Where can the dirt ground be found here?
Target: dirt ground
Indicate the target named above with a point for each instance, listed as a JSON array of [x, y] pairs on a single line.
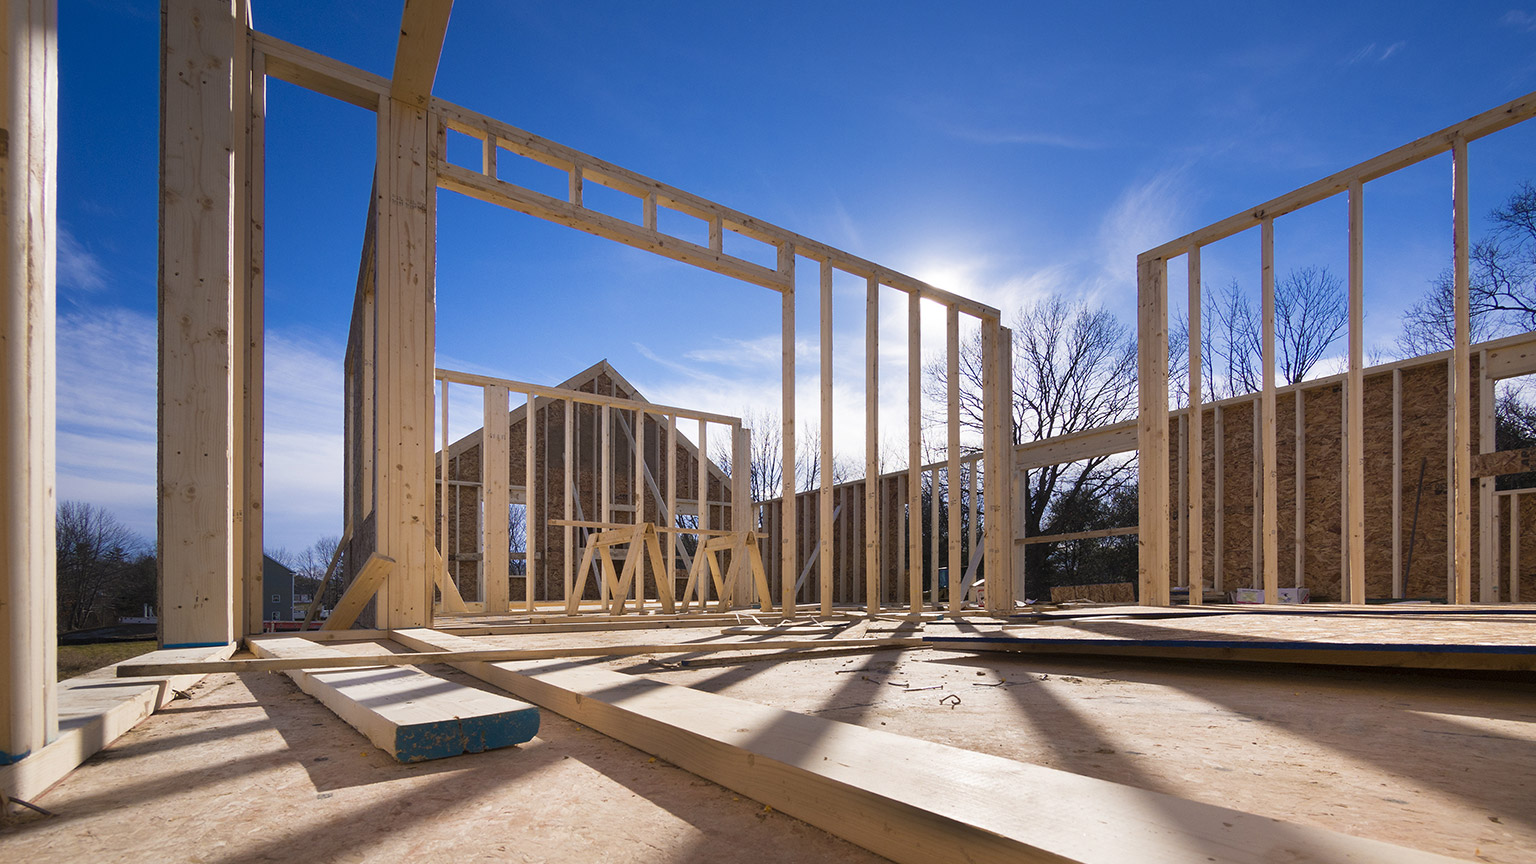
[[250, 769]]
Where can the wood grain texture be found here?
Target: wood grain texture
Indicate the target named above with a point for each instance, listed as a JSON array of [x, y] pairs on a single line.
[[405, 712], [907, 799]]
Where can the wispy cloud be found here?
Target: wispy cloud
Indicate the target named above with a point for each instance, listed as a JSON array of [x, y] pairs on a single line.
[[1143, 215], [78, 268], [1020, 137], [1520, 20], [1374, 53]]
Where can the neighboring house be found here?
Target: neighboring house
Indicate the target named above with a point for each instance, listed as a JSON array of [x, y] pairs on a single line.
[[276, 590]]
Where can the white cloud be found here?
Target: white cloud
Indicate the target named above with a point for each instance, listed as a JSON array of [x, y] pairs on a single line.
[[1520, 20], [77, 268]]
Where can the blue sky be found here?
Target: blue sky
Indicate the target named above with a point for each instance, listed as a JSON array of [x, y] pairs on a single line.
[[1001, 150]]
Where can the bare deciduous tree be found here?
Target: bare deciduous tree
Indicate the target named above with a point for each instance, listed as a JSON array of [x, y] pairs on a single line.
[[1074, 368], [1501, 285], [1310, 316], [766, 457], [100, 563]]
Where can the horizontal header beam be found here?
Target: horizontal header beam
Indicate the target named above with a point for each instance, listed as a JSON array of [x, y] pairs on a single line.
[[339, 80]]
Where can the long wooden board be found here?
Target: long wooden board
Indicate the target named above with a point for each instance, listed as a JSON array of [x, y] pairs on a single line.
[[405, 712], [280, 655], [910, 800]]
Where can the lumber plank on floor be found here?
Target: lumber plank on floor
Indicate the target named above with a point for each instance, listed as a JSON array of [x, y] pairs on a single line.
[[907, 799], [405, 712]]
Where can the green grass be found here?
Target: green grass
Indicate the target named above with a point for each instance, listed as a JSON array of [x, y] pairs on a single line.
[[75, 660]]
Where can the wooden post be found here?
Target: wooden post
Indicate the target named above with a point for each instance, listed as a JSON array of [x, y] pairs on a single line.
[[1450, 480], [672, 506], [605, 488], [531, 514], [1354, 441], [1487, 514], [28, 178], [495, 476], [1270, 541], [824, 542], [1256, 565], [569, 494], [250, 323], [1195, 455], [952, 472], [790, 562], [1397, 484], [914, 454], [1300, 538], [1514, 548], [1461, 425], [1181, 512], [997, 383], [637, 498], [702, 494], [1219, 506], [872, 514], [1152, 430], [442, 490], [405, 216], [741, 512], [200, 290]]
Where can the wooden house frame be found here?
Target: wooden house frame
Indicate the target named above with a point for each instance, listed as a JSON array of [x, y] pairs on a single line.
[[881, 790], [1153, 435], [602, 474], [208, 546]]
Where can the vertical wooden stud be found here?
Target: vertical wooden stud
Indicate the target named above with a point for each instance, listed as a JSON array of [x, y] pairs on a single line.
[[914, 453], [701, 492], [1488, 541], [788, 539], [1461, 375], [198, 293], [952, 448], [495, 477], [1354, 442], [568, 494], [1397, 484], [28, 178], [1300, 539], [872, 515], [532, 517], [1152, 430], [1271, 501], [1194, 455], [824, 542], [1219, 505]]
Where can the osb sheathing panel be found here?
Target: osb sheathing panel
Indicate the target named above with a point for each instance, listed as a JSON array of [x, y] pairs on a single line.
[[1424, 412], [1527, 564]]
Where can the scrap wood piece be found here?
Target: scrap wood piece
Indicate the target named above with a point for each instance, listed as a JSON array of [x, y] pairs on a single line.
[[270, 661], [356, 597], [908, 799], [405, 712]]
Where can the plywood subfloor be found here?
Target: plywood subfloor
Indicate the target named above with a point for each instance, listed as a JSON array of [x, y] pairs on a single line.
[[250, 769], [1435, 761]]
